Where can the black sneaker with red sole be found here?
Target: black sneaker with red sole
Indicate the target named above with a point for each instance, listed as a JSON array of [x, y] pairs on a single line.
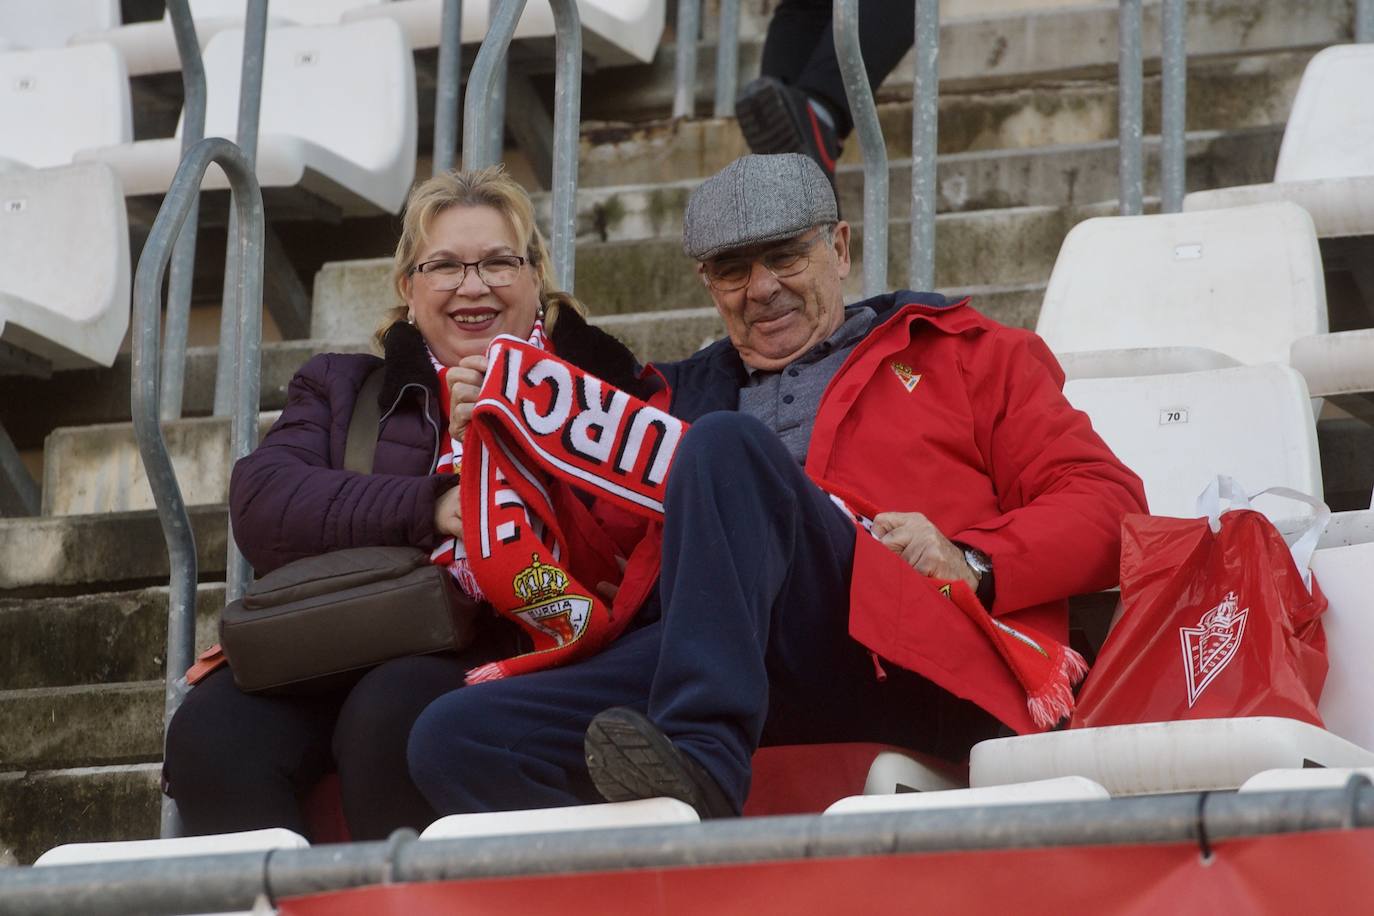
[[776, 118]]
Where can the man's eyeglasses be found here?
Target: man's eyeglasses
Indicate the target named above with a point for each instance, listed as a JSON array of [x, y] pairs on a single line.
[[790, 259], [443, 274]]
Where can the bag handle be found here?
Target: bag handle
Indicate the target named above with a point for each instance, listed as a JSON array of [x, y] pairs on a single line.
[[1226, 488], [361, 445]]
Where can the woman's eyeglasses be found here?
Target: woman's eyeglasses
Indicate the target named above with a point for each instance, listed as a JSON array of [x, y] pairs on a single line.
[[442, 274]]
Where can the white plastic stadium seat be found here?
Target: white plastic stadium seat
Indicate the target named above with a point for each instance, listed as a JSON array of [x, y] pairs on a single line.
[[338, 117], [1064, 788], [150, 47], [1228, 753], [64, 264], [56, 101], [1326, 161], [893, 772], [642, 813], [614, 32], [1307, 778], [247, 841], [49, 24], [1243, 283], [1179, 431]]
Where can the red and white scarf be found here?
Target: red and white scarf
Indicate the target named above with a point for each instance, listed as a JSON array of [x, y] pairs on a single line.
[[539, 418]]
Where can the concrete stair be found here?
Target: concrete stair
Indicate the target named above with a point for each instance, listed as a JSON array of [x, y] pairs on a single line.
[[1027, 128]]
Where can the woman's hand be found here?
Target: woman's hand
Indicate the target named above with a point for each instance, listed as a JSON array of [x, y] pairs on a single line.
[[464, 382], [448, 514], [916, 539]]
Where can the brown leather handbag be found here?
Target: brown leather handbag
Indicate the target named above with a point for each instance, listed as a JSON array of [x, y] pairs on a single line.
[[306, 626]]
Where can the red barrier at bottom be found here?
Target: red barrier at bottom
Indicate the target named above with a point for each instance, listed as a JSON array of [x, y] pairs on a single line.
[[1286, 873]]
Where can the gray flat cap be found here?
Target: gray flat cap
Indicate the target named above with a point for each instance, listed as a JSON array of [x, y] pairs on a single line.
[[756, 199]]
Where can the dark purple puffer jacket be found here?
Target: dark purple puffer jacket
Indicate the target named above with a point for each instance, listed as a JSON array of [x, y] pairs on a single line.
[[291, 497]]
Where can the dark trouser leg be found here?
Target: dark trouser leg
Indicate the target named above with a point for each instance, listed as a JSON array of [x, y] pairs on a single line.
[[517, 742], [886, 33], [755, 591], [795, 30], [237, 761], [370, 742]]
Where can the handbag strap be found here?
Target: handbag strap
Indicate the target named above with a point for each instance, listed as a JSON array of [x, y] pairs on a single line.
[[361, 444], [1224, 488]]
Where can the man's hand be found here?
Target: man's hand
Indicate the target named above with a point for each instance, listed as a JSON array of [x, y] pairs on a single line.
[[912, 536], [448, 514], [464, 382]]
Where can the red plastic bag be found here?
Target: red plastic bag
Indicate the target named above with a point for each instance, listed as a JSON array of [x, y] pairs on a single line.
[[1221, 620]]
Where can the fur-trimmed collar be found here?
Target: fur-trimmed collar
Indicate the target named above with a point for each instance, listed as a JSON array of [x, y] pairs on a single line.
[[584, 345]]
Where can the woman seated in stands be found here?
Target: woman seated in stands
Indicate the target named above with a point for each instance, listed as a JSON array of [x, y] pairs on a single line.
[[470, 265]]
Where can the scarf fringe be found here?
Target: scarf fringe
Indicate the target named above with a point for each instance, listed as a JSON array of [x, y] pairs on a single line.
[[1053, 701], [491, 671]]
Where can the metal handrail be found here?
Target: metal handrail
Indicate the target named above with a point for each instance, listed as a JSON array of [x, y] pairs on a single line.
[[235, 881], [924, 144], [865, 113], [685, 60], [1173, 93], [1364, 21], [184, 255], [244, 291], [246, 133], [567, 103], [446, 87], [727, 59], [1130, 109]]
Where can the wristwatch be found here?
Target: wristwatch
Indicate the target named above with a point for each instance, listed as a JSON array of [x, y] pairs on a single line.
[[981, 564]]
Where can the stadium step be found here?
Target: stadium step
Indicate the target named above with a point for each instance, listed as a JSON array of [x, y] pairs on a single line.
[[45, 728], [1223, 94], [980, 47], [40, 809]]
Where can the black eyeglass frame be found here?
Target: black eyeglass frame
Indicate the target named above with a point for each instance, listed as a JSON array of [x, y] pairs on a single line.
[[801, 260], [520, 260]]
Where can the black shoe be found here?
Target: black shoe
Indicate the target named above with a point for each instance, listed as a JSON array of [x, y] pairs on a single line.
[[629, 758], [775, 118]]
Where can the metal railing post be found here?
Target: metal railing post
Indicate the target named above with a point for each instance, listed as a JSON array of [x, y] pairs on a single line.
[[496, 100], [1364, 20], [865, 113], [727, 59], [924, 144], [184, 255], [685, 61], [1130, 108], [567, 105], [250, 103], [245, 289], [1174, 64], [446, 90]]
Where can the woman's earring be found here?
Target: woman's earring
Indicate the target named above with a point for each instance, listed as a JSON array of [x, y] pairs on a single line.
[[410, 319]]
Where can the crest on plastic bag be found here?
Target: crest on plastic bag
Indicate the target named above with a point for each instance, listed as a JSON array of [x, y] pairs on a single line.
[[1209, 647]]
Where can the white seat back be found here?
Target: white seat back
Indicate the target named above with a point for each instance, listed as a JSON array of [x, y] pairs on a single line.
[[302, 12], [1245, 282], [56, 101], [349, 89], [1346, 576], [1178, 432], [49, 24], [1330, 131], [247, 841], [64, 263], [640, 813]]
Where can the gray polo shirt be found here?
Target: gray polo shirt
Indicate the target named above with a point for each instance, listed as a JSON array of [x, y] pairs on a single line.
[[786, 402]]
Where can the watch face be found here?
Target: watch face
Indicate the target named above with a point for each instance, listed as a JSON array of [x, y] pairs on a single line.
[[978, 561]]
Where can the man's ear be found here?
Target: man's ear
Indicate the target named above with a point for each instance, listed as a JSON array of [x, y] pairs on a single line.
[[841, 247]]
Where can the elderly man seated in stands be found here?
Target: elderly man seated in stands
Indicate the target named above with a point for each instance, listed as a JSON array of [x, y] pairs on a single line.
[[852, 479]]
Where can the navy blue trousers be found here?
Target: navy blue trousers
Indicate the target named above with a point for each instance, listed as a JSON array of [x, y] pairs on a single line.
[[750, 646]]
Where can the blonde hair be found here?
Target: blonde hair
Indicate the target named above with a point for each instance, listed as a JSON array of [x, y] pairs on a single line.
[[488, 187]]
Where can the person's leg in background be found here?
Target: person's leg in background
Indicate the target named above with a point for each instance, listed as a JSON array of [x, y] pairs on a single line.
[[238, 761], [798, 103]]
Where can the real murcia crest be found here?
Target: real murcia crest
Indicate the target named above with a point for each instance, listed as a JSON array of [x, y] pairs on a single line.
[[909, 377], [546, 606], [1211, 645]]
